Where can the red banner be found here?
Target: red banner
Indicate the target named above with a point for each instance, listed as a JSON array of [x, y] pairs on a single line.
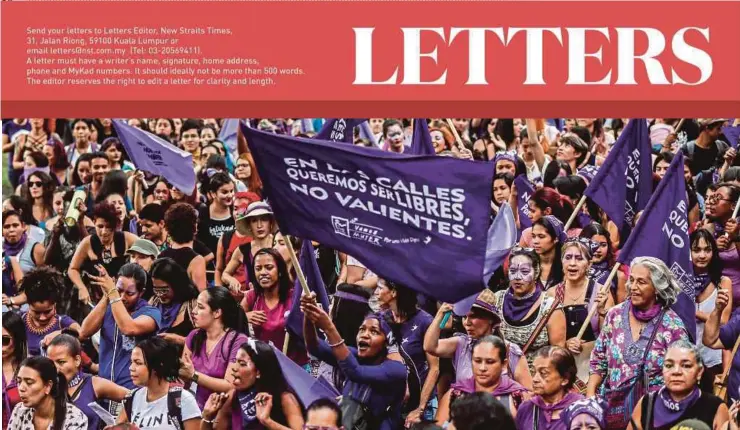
[[344, 59]]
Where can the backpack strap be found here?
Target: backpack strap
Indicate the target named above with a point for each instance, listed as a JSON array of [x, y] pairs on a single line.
[[119, 243], [128, 402], [174, 407]]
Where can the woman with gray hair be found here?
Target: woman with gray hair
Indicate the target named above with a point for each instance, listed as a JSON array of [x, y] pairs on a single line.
[[627, 359]]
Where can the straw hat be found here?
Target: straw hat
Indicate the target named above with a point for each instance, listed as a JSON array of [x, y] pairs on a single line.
[[254, 209]]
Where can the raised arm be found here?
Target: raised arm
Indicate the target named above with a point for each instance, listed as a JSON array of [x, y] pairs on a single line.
[[444, 348], [79, 257], [711, 327]]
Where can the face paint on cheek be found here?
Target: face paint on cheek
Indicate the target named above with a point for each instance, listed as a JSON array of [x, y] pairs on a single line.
[[122, 290], [522, 272]]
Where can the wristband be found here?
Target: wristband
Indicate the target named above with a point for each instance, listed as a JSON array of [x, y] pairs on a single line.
[[341, 342], [195, 377], [10, 300], [117, 299], [207, 421]]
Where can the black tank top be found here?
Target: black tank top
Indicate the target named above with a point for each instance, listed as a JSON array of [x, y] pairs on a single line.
[[182, 256], [575, 315], [703, 410]]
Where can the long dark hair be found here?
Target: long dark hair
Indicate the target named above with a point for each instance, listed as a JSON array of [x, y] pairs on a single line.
[[284, 284], [47, 186], [84, 158], [17, 330], [232, 316], [161, 357], [347, 316], [167, 270], [595, 229], [406, 299], [556, 271], [48, 373], [715, 266], [271, 378]]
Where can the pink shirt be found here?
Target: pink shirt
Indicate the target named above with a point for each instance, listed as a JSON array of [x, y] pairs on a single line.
[[273, 330]]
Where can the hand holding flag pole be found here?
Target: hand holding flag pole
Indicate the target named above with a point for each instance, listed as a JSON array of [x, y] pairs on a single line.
[[301, 279], [595, 307]]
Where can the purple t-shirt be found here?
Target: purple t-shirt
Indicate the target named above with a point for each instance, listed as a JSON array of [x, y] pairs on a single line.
[[412, 341], [215, 364], [34, 339], [728, 335]]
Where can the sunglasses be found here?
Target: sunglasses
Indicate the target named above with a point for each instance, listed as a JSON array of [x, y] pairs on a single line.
[[32, 184], [7, 340]]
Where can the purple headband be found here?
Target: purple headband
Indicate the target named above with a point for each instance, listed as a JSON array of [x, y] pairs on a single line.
[[384, 327], [349, 296], [589, 407], [556, 225], [509, 155]]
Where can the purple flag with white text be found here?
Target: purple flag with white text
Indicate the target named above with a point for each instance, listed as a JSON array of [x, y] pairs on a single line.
[[307, 260], [624, 183], [422, 222], [663, 232], [524, 190], [339, 129], [154, 155], [421, 140]]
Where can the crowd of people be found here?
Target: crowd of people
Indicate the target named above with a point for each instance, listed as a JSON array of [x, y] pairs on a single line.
[[130, 303]]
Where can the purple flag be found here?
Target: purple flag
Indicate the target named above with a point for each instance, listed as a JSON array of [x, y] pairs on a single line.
[[228, 135], [307, 260], [732, 133], [663, 232], [417, 221], [524, 191], [156, 156], [421, 140], [307, 388], [339, 130], [624, 183], [366, 133]]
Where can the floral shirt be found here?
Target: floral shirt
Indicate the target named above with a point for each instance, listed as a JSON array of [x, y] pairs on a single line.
[[22, 419], [616, 357]]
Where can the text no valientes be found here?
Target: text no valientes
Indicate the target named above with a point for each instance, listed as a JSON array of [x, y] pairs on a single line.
[[659, 71]]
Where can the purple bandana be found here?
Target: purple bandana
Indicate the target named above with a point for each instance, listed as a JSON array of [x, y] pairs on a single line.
[[384, 326], [588, 172], [516, 308], [648, 315], [509, 156], [169, 315], [548, 410], [668, 411], [701, 282], [557, 225], [505, 386], [589, 407], [13, 249]]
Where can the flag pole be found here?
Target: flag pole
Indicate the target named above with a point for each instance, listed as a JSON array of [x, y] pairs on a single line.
[[455, 133], [604, 289], [286, 342], [575, 213], [737, 208], [297, 266]]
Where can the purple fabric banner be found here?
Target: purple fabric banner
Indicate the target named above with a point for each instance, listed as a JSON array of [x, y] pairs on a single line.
[[732, 133], [156, 156], [307, 260], [663, 232], [623, 184], [307, 388], [420, 221], [524, 190], [229, 136], [421, 140]]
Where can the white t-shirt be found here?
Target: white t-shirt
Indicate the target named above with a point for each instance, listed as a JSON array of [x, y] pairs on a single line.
[[153, 415]]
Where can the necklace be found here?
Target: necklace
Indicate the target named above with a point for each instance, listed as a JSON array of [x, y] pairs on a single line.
[[215, 343], [576, 299], [35, 328]]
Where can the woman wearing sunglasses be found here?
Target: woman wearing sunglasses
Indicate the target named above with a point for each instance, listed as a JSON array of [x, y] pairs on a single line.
[[14, 351], [39, 190], [260, 398], [176, 297]]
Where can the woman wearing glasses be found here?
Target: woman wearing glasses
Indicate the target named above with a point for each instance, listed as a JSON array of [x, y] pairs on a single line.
[[579, 294], [42, 287], [14, 351], [176, 297]]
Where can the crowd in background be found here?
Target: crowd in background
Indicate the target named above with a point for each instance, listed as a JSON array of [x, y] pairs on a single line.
[[167, 308]]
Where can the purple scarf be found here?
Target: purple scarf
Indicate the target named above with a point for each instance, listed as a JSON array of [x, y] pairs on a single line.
[[701, 282], [668, 411], [13, 249], [515, 309], [648, 315], [505, 386], [546, 410], [169, 315]]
